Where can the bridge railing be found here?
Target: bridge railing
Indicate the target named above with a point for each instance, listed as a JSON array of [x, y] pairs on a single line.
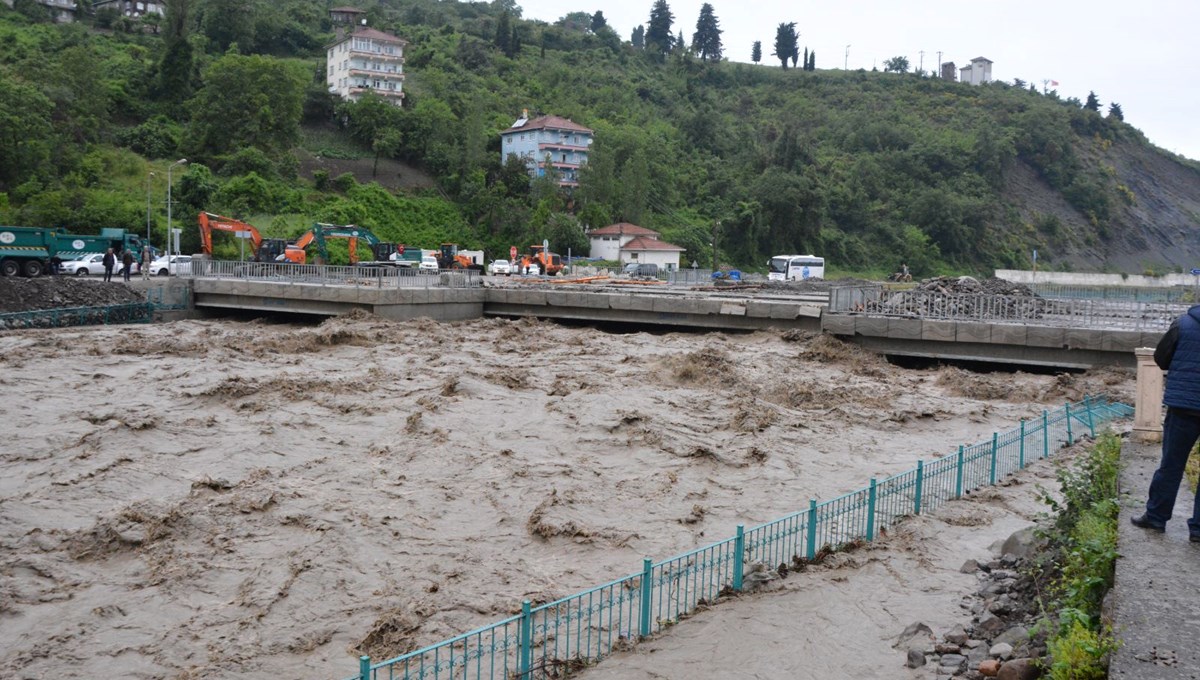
[[555, 639], [1001, 309], [328, 275]]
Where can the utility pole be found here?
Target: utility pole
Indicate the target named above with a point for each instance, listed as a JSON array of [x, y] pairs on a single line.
[[846, 61], [939, 66], [921, 66], [716, 231]]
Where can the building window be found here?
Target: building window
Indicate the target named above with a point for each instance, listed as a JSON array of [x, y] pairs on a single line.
[[508, 140]]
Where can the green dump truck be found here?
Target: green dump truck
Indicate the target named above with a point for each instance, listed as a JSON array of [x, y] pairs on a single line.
[[28, 251], [77, 245]]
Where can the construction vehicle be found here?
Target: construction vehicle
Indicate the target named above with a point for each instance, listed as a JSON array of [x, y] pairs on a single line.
[[321, 233], [549, 263], [448, 257], [74, 246], [263, 250], [29, 251], [393, 255]]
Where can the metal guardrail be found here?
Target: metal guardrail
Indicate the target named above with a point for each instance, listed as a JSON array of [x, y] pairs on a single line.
[[1069, 313], [137, 312], [1173, 295], [554, 639], [325, 275]]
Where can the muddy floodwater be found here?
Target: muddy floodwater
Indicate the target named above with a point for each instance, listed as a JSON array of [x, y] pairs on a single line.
[[225, 499]]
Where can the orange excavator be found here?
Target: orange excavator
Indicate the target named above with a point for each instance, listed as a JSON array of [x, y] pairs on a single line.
[[449, 258], [265, 250]]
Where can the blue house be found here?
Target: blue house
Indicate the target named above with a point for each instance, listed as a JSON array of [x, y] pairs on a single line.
[[548, 141]]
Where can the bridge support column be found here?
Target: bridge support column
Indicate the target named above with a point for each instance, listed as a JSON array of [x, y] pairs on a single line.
[[1147, 417]]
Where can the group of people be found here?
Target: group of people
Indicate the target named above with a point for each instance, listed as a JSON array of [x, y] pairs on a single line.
[[127, 260]]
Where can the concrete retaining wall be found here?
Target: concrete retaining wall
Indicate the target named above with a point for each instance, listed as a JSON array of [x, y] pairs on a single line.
[[1083, 279]]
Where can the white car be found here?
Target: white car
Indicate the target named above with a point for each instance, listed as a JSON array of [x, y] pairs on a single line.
[[501, 267], [429, 263], [93, 264], [534, 270], [179, 265]]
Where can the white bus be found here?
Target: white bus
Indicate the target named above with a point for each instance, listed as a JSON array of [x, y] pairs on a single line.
[[796, 267]]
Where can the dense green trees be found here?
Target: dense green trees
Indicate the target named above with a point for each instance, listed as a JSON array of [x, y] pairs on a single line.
[[860, 167]]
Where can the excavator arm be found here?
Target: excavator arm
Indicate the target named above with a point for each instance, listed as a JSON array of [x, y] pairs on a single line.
[[210, 223]]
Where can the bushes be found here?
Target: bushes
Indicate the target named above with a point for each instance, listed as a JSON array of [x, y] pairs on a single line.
[[1084, 541]]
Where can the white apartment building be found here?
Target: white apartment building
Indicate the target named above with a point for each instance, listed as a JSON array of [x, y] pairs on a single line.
[[978, 73], [366, 60], [548, 141]]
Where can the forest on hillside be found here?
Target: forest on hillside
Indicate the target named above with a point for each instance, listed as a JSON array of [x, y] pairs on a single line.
[[865, 168]]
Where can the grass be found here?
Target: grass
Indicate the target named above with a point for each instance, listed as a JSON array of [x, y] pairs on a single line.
[[328, 143]]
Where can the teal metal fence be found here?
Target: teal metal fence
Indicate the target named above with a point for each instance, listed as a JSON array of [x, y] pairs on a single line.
[[558, 638], [138, 312]]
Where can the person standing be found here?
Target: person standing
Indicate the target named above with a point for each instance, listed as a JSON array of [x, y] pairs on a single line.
[[147, 262], [126, 264], [109, 261], [1177, 353]]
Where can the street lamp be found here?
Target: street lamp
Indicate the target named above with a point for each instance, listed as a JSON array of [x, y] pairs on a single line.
[[148, 208], [181, 161]]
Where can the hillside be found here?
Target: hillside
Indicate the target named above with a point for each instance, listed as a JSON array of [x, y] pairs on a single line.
[[866, 168]]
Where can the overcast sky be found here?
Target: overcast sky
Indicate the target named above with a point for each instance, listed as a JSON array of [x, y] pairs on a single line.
[[1130, 52]]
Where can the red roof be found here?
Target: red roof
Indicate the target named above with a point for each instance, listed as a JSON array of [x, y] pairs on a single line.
[[645, 243], [378, 35], [622, 228], [550, 123]]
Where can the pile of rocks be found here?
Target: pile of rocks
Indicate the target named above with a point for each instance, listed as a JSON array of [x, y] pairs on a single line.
[[19, 294], [997, 643], [964, 297]]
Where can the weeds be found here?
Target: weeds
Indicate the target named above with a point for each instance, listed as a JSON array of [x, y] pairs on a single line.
[[1084, 542]]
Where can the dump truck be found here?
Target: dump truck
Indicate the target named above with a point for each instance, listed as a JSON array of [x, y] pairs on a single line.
[[28, 251], [71, 246]]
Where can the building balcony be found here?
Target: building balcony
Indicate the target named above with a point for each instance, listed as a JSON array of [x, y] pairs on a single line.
[[565, 166], [377, 56], [564, 147], [399, 94], [361, 72]]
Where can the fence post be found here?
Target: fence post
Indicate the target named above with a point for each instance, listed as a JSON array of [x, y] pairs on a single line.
[[958, 477], [1067, 410], [920, 486], [1045, 433], [739, 548], [364, 667], [1087, 403], [811, 553], [1021, 459], [647, 574], [992, 468], [871, 511], [525, 659]]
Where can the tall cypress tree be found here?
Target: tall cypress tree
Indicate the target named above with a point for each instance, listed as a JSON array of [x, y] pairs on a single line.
[[756, 51], [812, 60], [785, 43], [504, 33], [638, 37], [658, 30], [706, 42]]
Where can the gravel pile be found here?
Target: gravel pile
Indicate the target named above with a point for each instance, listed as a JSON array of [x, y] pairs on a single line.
[[958, 297], [958, 285], [19, 294]]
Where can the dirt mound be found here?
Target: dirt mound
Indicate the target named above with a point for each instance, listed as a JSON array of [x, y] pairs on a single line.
[[960, 285], [19, 294]]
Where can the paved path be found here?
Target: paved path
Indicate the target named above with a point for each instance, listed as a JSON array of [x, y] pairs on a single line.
[[1157, 593]]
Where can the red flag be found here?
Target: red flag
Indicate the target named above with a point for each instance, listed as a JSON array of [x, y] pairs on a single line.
[[1054, 83]]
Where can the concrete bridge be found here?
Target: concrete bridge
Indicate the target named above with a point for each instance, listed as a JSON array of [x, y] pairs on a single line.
[[454, 296]]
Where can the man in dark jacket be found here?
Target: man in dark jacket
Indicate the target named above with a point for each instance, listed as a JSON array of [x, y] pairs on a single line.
[[126, 264], [1177, 353], [109, 261]]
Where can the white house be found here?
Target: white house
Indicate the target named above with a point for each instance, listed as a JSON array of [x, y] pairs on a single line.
[[367, 60], [977, 73], [627, 242], [548, 141]]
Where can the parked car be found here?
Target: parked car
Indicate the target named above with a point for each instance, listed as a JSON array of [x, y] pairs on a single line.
[[179, 265], [643, 269], [429, 263], [501, 267], [93, 264], [533, 270]]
